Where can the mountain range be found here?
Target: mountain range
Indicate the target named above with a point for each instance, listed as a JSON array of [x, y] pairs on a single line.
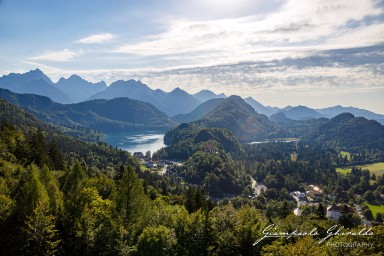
[[118, 114], [179, 104], [234, 114], [344, 131], [231, 114]]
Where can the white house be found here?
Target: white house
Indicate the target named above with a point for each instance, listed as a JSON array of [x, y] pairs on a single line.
[[334, 211]]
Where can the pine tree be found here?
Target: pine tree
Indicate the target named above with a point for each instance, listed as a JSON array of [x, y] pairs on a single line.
[[131, 200], [320, 211], [190, 203], [38, 149], [40, 232], [56, 157]]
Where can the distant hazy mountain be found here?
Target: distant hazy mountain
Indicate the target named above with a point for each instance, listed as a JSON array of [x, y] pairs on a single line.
[[34, 81], [280, 117], [75, 89], [241, 119], [178, 102], [79, 89], [172, 103], [336, 110], [198, 112], [205, 95], [259, 108], [106, 115], [305, 113], [301, 113]]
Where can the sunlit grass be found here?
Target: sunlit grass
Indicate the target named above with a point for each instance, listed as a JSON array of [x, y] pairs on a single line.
[[376, 208], [345, 153], [376, 168]]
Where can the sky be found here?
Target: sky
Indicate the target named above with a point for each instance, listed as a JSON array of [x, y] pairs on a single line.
[[317, 53]]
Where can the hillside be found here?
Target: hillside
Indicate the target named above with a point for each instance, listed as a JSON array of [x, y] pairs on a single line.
[[344, 131], [336, 110], [301, 113], [258, 107], [105, 115], [186, 139], [241, 119], [71, 147], [198, 112], [347, 131], [172, 103]]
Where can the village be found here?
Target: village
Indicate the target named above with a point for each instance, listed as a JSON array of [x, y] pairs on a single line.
[[312, 196], [162, 167]]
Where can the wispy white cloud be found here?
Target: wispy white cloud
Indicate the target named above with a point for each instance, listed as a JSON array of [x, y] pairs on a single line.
[[97, 39], [64, 55], [297, 25]]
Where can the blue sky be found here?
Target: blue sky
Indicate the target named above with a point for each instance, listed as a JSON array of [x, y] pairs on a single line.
[[317, 53]]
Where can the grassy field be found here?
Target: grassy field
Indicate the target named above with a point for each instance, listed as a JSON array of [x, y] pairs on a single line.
[[345, 153], [376, 168], [376, 208]]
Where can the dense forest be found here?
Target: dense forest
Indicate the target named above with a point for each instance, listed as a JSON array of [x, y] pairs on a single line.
[[60, 195]]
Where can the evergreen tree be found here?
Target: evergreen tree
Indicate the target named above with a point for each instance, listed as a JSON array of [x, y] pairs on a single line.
[[74, 181], [320, 211], [38, 149], [346, 217], [190, 203], [157, 241], [55, 156], [284, 211], [131, 200], [379, 217], [32, 193], [40, 232]]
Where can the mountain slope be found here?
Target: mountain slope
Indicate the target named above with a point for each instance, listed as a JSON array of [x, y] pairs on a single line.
[[79, 89], [106, 115], [205, 95], [131, 89], [301, 113], [34, 81], [178, 101], [346, 130], [172, 103], [280, 117], [241, 119], [258, 107], [336, 110], [198, 112], [93, 154]]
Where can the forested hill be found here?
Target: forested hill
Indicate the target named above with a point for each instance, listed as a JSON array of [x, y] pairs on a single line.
[[104, 115], [98, 155], [241, 119], [186, 139], [344, 131], [347, 131]]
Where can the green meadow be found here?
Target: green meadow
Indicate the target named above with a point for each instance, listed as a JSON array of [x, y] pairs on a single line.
[[376, 168], [376, 208]]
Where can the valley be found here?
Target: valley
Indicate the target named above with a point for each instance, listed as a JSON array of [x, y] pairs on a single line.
[[120, 168]]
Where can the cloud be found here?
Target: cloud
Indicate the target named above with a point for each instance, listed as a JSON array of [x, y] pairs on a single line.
[[297, 25], [64, 55], [97, 39]]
